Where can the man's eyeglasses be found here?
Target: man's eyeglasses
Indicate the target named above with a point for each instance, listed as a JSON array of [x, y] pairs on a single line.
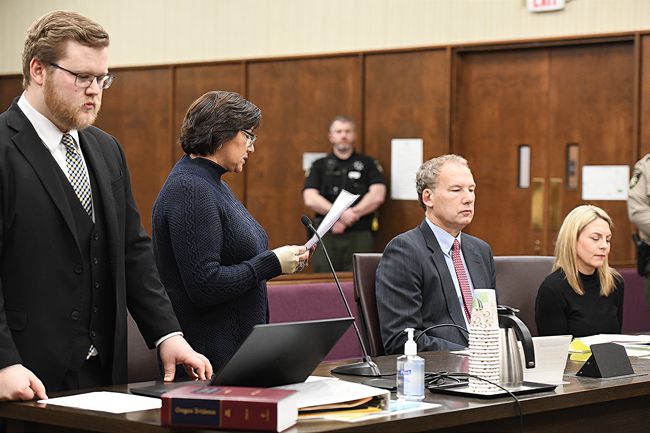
[[86, 80]]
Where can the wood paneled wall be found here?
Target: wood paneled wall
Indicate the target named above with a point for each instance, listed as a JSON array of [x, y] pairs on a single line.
[[406, 96], [137, 111], [10, 88], [390, 94], [298, 99]]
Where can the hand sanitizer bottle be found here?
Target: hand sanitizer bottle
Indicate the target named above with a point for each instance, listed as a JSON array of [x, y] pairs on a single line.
[[410, 371]]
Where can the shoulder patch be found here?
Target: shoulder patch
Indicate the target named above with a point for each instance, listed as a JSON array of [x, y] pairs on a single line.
[[635, 178], [379, 167]]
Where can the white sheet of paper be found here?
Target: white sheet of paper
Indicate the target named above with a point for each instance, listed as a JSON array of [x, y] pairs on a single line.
[[104, 401], [640, 350], [342, 202], [605, 182], [615, 338], [329, 391], [396, 407], [551, 354], [405, 159]]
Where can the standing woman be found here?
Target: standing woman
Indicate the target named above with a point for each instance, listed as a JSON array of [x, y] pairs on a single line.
[[583, 295], [212, 255]]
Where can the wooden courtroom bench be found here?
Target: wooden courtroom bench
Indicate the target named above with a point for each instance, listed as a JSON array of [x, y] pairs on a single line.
[[635, 311], [296, 301]]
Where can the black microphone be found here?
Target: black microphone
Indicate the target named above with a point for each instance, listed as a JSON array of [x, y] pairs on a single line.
[[366, 367]]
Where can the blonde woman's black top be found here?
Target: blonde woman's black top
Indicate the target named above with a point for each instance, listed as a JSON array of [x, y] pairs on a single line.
[[559, 310]]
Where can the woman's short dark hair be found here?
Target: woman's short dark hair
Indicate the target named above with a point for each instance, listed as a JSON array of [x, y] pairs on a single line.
[[215, 118]]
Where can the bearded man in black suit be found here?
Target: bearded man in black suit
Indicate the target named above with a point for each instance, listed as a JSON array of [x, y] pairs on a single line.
[[73, 253]]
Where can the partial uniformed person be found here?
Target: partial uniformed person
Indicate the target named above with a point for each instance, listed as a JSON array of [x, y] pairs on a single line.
[[638, 209], [356, 173]]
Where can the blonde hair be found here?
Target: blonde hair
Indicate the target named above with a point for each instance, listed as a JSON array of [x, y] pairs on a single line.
[[566, 251]]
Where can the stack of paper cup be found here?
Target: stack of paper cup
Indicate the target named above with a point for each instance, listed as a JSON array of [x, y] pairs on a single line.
[[484, 342]]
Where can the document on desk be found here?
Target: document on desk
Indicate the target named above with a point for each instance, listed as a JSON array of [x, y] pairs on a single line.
[[396, 407], [342, 202], [103, 401], [333, 391], [635, 345], [550, 359]]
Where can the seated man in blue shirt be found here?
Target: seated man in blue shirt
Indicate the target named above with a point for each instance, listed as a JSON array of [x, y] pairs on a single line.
[[426, 275]]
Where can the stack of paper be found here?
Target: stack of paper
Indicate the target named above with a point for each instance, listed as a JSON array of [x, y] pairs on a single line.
[[338, 400], [334, 392], [635, 345]]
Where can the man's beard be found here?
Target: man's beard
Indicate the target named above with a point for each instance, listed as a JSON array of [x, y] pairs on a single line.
[[343, 147], [66, 116]]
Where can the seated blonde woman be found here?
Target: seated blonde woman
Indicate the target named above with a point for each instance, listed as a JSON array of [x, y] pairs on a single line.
[[583, 295]]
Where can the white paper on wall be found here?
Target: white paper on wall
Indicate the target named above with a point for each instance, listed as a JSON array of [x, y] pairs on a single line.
[[405, 159]]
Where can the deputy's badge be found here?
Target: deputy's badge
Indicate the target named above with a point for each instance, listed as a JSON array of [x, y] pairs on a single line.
[[379, 167], [635, 178], [358, 165]]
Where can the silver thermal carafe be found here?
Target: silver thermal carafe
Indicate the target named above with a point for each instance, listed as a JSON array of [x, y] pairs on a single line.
[[512, 328]]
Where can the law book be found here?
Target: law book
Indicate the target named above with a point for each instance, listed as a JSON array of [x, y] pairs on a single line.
[[229, 407]]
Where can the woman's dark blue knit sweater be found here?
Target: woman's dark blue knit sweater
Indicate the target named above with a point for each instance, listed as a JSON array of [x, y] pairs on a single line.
[[213, 259]]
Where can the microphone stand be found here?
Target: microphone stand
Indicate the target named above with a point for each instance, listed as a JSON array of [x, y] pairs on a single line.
[[366, 367]]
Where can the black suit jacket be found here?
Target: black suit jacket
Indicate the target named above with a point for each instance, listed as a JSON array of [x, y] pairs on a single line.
[[415, 290], [39, 253]]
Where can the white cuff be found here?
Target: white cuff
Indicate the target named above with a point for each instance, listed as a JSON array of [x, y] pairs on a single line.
[[172, 334]]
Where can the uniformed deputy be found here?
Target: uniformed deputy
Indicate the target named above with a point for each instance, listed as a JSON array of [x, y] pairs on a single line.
[[356, 173], [638, 209]]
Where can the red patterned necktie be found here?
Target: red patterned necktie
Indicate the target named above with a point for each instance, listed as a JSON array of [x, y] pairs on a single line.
[[462, 278]]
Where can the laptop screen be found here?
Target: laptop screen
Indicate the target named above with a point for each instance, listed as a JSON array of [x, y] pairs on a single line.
[[281, 353]]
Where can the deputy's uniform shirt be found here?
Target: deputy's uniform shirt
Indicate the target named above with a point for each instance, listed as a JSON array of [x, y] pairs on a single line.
[[638, 200], [330, 175]]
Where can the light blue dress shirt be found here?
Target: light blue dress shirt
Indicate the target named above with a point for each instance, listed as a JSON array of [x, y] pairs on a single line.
[[446, 242]]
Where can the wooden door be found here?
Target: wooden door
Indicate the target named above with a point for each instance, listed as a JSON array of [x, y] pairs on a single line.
[[560, 101], [495, 112], [592, 102]]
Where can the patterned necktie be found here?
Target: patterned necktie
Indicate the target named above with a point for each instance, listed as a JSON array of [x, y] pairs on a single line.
[[462, 278], [77, 173]]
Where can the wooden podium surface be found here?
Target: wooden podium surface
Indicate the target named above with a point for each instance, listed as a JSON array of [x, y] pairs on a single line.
[[583, 404]]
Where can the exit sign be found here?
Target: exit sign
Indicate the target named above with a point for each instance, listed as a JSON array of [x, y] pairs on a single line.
[[545, 5]]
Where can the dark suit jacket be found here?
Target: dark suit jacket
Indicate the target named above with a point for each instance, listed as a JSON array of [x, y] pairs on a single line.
[[414, 289], [39, 253]]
